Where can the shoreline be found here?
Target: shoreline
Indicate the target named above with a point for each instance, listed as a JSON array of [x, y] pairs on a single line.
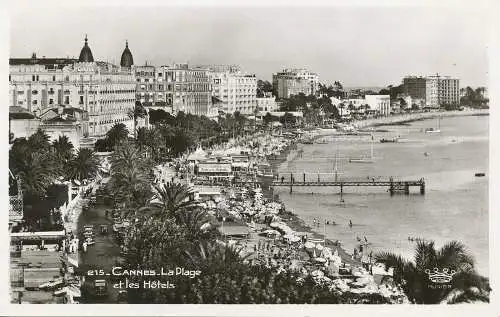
[[298, 224], [412, 117]]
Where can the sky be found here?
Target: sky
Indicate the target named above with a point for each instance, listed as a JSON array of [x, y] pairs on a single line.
[[358, 46]]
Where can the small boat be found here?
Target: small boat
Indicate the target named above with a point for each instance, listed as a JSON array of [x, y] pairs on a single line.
[[436, 130], [480, 174], [427, 153], [361, 160], [393, 140]]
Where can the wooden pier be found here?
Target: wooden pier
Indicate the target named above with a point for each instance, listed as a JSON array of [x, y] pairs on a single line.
[[393, 186]]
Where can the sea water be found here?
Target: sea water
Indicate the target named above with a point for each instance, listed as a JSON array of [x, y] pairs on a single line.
[[454, 207]]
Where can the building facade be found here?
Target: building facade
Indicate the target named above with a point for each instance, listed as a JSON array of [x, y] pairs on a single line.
[[189, 89], [291, 82], [380, 103], [442, 90], [436, 90], [105, 91], [267, 103], [415, 86], [236, 90]]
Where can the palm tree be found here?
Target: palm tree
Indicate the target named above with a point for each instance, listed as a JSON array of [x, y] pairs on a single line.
[[85, 165], [173, 200], [63, 147], [142, 137], [39, 141], [63, 152], [466, 284], [341, 106], [117, 134], [138, 112], [32, 164], [129, 180], [37, 175]]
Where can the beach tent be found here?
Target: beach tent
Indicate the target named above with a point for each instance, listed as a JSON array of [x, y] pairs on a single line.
[[197, 155]]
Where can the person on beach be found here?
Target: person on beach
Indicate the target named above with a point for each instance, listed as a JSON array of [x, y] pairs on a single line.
[[350, 223]]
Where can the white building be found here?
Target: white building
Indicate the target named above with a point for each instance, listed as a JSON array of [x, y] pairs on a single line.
[[105, 91], [236, 90], [442, 90], [267, 103], [380, 103]]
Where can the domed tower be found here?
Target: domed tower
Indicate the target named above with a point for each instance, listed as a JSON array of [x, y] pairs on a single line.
[[127, 59], [86, 53]]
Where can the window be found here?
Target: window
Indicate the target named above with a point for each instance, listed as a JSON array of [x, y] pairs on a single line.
[[33, 78], [81, 100], [35, 102], [51, 101], [53, 78], [66, 101], [9, 78], [37, 78]]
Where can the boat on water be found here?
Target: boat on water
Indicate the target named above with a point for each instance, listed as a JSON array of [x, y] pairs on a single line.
[[393, 140], [480, 174], [435, 130]]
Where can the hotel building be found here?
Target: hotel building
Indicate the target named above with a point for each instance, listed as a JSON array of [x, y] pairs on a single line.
[[105, 91], [435, 90], [236, 90], [291, 82]]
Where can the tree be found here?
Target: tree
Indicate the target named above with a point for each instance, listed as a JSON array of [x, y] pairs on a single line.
[[85, 165], [466, 284], [129, 181], [138, 112], [263, 87], [63, 152], [173, 200], [117, 134], [341, 107], [288, 119], [269, 118], [63, 147], [160, 116], [31, 160]]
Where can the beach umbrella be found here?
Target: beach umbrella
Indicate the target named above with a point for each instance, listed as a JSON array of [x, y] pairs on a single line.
[[309, 245]]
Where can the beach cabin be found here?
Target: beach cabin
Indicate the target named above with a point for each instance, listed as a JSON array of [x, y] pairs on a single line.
[[197, 156], [43, 240], [240, 162], [233, 230], [265, 170], [204, 193], [215, 170]]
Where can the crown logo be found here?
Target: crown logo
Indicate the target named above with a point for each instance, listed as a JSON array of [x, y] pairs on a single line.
[[440, 277]]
